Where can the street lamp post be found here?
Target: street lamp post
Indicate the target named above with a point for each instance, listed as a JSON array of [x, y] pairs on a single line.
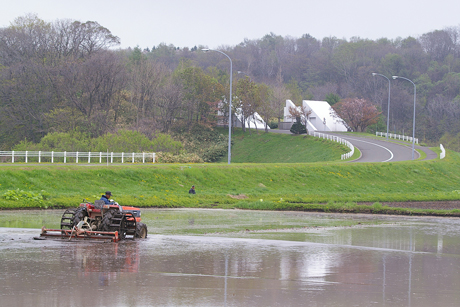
[[389, 92], [229, 106], [413, 120]]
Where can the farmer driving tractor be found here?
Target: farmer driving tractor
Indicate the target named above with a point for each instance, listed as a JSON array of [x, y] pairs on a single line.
[[106, 198], [108, 201]]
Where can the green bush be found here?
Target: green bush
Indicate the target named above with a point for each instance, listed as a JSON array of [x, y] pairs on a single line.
[[206, 142], [273, 124], [122, 141], [58, 141], [298, 128], [133, 141], [166, 157], [28, 197]]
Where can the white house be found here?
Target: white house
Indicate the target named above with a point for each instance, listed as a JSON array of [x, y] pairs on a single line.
[[320, 118]]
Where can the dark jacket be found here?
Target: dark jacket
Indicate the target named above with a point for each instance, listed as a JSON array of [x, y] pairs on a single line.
[[192, 191], [106, 200]]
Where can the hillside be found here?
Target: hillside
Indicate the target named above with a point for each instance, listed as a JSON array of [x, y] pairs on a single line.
[[261, 147]]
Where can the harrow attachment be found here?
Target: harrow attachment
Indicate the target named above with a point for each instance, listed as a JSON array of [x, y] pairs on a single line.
[[80, 233]]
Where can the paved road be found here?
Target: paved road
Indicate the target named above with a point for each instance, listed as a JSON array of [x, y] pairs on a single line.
[[376, 150]]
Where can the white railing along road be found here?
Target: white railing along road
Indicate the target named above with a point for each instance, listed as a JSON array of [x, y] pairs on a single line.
[[335, 139], [397, 136]]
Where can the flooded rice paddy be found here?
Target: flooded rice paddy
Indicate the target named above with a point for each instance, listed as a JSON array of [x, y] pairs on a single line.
[[235, 258]]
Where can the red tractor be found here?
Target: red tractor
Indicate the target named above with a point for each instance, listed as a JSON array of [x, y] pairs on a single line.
[[100, 221]]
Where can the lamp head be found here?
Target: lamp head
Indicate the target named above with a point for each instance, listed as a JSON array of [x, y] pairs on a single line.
[[395, 77], [374, 74], [205, 49]]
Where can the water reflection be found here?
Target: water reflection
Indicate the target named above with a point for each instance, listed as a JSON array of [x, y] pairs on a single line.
[[108, 261], [403, 263]]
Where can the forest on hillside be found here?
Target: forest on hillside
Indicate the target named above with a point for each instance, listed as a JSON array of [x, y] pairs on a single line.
[[67, 75]]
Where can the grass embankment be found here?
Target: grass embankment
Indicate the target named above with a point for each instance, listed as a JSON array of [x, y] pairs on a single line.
[[261, 147], [330, 187]]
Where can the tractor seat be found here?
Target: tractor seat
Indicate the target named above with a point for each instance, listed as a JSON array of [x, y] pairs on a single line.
[[98, 204]]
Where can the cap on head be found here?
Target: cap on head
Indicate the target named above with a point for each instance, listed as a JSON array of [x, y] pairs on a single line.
[[108, 193]]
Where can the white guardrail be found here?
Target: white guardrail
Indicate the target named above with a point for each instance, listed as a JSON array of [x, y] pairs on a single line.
[[82, 157], [409, 139], [396, 136], [335, 139]]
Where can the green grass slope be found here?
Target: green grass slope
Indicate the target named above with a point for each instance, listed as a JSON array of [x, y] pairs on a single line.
[[241, 185], [261, 147]]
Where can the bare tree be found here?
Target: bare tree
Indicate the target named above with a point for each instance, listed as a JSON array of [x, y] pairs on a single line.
[[280, 94], [169, 101], [91, 86], [438, 44], [145, 80]]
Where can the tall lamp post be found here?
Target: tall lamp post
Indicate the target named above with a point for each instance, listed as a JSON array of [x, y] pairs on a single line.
[[413, 120], [389, 92], [229, 106]]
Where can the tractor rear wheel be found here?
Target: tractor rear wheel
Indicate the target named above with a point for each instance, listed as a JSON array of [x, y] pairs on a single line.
[[80, 215], [71, 217], [141, 230]]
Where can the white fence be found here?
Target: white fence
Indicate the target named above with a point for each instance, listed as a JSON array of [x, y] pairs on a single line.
[[336, 139], [396, 136], [443, 152], [82, 157]]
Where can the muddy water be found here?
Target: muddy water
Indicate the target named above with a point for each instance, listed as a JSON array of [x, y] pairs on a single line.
[[237, 258]]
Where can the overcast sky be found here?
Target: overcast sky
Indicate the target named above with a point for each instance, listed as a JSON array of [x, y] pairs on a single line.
[[216, 23]]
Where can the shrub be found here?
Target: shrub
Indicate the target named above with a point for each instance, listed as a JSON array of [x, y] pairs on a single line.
[[273, 124], [166, 157], [215, 152], [31, 198], [298, 128], [122, 141], [202, 140], [58, 141], [133, 141]]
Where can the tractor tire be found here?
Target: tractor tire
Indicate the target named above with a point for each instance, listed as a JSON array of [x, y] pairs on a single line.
[[71, 217], [106, 221], [67, 218], [141, 231], [124, 223], [79, 215]]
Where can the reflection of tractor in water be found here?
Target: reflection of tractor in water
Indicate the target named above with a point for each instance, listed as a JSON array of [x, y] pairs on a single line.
[[100, 221], [111, 263]]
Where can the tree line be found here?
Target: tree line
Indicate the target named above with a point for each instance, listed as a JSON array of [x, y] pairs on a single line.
[[67, 76]]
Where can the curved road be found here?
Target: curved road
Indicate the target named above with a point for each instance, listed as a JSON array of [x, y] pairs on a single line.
[[379, 150]]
